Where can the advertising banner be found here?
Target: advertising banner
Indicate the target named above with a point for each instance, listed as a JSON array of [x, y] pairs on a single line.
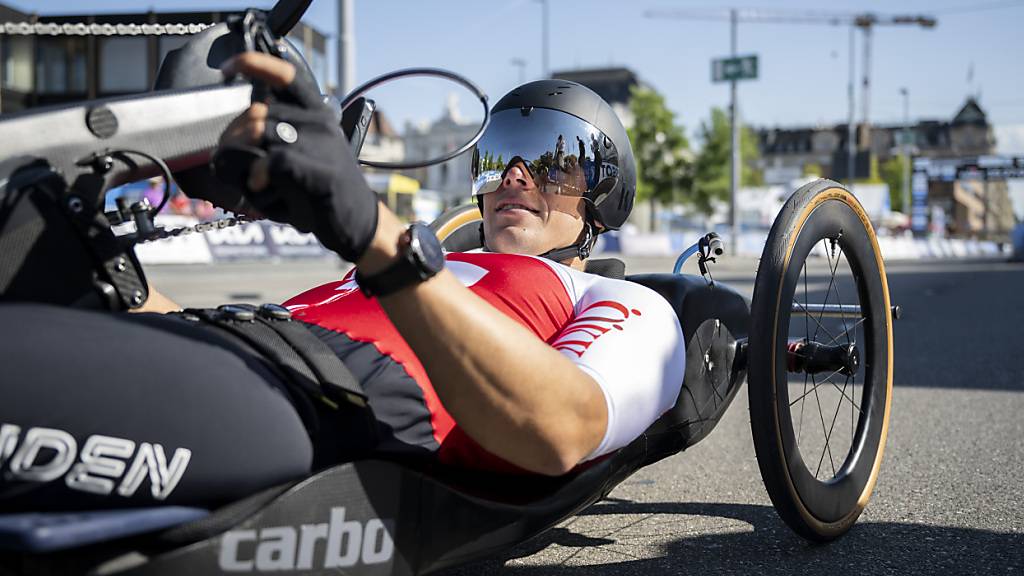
[[248, 241]]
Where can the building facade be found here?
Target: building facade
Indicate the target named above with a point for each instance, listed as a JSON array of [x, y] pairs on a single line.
[[954, 203], [452, 179], [788, 151], [40, 70]]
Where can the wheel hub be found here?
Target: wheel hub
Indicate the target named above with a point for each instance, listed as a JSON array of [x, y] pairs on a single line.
[[815, 358]]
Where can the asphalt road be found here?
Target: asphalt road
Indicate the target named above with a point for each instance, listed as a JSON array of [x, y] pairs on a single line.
[[949, 497]]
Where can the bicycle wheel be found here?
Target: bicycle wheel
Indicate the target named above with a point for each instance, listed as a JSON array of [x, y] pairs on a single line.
[[820, 361]]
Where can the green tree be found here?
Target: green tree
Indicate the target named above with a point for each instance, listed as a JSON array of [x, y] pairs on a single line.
[[711, 169], [660, 147], [891, 173], [813, 169]]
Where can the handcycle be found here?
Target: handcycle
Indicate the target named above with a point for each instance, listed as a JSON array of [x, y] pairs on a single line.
[[390, 517]]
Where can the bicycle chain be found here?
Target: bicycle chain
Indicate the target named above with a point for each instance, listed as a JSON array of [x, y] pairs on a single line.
[[85, 29], [162, 234]]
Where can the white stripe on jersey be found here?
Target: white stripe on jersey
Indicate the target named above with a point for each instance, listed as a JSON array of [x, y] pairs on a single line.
[[628, 339]]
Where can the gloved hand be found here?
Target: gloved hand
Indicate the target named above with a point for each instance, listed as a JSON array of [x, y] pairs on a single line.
[[294, 162]]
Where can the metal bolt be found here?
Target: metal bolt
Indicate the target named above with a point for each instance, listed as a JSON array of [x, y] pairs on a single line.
[[76, 205], [286, 132], [275, 312], [237, 312], [121, 264], [136, 299]]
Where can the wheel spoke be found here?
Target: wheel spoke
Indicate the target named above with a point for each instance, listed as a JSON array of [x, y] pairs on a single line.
[[846, 332], [831, 280], [815, 386], [801, 428], [839, 297], [827, 448], [827, 380], [816, 321], [844, 395], [828, 436]]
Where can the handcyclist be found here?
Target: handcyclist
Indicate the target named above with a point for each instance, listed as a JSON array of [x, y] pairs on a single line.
[[509, 359]]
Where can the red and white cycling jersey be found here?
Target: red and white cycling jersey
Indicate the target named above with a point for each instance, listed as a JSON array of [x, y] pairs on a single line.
[[624, 335]]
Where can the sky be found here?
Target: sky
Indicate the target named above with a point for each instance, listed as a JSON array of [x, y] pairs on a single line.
[[976, 49]]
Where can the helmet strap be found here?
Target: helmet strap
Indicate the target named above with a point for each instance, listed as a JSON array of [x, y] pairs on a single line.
[[579, 250]]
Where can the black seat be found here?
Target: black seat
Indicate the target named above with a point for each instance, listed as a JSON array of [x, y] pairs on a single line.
[[715, 320], [388, 518], [607, 267], [695, 301]]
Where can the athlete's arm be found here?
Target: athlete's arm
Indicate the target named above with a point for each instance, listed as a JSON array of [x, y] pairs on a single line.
[[511, 392], [628, 338], [157, 302]]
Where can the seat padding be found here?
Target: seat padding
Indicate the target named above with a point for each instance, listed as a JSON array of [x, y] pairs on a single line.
[[695, 300], [607, 267]]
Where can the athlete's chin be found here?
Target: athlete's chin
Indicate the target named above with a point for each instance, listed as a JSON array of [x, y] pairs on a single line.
[[515, 240]]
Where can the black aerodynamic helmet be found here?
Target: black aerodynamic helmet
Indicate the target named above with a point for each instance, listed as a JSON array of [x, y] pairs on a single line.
[[570, 140]]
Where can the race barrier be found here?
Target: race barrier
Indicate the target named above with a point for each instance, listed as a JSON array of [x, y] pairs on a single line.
[[1017, 239], [752, 243], [266, 240], [262, 240], [186, 249]]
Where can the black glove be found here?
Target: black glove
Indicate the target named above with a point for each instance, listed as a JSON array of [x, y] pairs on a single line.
[[315, 182]]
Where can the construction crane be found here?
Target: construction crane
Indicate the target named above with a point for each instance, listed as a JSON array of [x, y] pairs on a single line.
[[865, 21]]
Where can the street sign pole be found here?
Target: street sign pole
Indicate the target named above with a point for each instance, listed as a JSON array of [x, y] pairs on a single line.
[[851, 131], [906, 152], [731, 70], [734, 179]]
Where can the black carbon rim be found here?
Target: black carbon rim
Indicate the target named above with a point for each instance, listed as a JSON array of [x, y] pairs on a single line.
[[829, 473], [821, 251]]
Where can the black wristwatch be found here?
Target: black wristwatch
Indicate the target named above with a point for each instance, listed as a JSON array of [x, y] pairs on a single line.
[[419, 258]]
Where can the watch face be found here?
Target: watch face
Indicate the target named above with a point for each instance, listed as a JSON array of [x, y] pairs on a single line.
[[426, 247]]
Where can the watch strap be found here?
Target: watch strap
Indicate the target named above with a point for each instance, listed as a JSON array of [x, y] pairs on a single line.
[[403, 272], [398, 275]]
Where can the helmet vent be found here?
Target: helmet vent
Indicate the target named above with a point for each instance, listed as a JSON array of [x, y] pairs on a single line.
[[554, 93], [525, 110]]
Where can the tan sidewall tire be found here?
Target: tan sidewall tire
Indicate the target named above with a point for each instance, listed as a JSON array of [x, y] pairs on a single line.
[[774, 269]]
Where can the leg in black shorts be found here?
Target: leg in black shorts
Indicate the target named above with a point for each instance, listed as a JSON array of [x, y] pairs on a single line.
[[104, 410]]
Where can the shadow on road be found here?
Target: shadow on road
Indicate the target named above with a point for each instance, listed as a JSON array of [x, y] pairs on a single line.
[[770, 548]]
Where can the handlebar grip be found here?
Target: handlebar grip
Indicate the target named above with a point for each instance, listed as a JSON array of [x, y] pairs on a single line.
[[716, 247]]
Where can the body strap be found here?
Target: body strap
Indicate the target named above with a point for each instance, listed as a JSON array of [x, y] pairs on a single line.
[[305, 362]]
